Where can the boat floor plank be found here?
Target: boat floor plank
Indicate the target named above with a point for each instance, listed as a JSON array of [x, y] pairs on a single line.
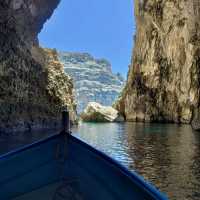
[[55, 191]]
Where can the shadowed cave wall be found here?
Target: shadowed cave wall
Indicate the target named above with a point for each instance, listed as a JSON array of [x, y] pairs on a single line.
[[33, 85]]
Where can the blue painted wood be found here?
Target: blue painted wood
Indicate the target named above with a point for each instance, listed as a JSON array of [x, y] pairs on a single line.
[[87, 171]]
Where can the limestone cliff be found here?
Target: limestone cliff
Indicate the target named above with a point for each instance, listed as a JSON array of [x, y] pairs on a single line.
[[33, 86], [164, 77], [93, 79]]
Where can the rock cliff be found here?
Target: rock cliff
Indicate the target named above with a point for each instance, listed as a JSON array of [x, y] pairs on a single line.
[[164, 77], [33, 85], [93, 79]]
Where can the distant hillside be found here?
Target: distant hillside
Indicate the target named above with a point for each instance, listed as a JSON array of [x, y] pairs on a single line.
[[93, 79]]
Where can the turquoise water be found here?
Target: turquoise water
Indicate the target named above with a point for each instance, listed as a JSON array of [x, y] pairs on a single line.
[[166, 155]]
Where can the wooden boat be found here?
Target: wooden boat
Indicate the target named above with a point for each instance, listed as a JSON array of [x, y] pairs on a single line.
[[63, 167]]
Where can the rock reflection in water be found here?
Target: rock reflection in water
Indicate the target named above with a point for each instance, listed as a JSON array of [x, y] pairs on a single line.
[[167, 155]]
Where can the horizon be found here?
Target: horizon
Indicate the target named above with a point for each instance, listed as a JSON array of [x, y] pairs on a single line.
[[105, 35]]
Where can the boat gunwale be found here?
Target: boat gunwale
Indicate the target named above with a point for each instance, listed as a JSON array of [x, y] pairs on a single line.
[[133, 176]]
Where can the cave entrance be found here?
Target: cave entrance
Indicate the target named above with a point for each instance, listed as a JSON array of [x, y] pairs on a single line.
[[94, 42]]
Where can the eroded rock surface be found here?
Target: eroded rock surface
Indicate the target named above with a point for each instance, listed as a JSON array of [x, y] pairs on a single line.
[[93, 79], [163, 82], [95, 112], [33, 86]]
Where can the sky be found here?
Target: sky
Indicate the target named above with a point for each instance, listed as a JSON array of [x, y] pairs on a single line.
[[103, 28]]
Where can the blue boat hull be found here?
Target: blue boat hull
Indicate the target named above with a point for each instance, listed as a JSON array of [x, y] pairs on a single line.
[[62, 167]]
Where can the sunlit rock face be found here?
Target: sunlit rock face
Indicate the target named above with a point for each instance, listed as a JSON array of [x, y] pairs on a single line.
[[33, 85], [93, 79], [163, 80], [95, 112]]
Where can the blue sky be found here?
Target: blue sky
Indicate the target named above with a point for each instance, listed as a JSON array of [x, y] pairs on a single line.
[[103, 28]]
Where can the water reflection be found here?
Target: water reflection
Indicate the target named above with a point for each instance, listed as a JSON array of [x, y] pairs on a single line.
[[167, 155], [9, 142]]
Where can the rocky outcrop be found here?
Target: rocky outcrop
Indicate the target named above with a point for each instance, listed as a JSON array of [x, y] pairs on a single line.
[[164, 77], [93, 79], [196, 121], [33, 86], [95, 112]]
